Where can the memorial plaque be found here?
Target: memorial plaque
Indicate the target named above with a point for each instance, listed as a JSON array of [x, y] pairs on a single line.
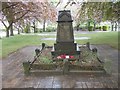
[[64, 35]]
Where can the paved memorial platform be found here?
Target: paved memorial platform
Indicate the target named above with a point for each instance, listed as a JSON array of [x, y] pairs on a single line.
[[13, 76]]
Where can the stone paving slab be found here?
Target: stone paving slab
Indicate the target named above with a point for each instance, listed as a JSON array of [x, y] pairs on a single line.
[[13, 76]]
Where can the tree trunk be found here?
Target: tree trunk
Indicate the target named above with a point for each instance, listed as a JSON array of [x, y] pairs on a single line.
[[94, 26], [99, 26], [34, 27], [22, 30], [11, 30], [7, 32], [88, 25], [7, 29], [112, 26], [44, 21], [116, 26], [78, 27], [18, 31]]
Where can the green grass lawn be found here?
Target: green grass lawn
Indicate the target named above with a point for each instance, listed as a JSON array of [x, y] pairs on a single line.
[[109, 38], [11, 44]]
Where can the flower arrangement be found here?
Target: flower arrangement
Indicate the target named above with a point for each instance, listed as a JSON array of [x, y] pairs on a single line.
[[65, 56]]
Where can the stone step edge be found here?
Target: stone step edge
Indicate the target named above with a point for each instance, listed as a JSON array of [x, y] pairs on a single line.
[[82, 71]]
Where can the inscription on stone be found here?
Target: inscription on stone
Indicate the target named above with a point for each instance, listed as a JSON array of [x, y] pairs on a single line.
[[64, 35]]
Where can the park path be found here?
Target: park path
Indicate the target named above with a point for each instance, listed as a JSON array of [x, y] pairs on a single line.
[[13, 76]]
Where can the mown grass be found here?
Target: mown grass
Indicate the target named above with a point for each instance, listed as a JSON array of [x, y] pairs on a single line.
[[109, 38], [11, 44]]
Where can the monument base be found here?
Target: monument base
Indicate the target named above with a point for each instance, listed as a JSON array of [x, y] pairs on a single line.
[[67, 48]]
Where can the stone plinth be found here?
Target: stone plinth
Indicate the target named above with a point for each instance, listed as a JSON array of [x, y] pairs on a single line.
[[65, 37]]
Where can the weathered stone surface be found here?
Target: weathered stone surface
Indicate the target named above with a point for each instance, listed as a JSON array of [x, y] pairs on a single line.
[[64, 28], [64, 16], [65, 32], [65, 37]]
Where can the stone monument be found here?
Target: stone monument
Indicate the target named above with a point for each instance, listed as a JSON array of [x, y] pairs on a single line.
[[65, 37]]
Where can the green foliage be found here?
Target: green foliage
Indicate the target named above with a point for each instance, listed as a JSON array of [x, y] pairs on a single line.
[[45, 60], [36, 30], [83, 26], [96, 27], [90, 28], [104, 28], [50, 29], [99, 11], [40, 30], [100, 27], [27, 29]]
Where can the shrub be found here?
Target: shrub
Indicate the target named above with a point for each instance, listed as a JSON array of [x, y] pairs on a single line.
[[50, 29], [104, 28], [36, 30], [40, 30], [90, 28], [27, 29], [100, 28], [96, 27]]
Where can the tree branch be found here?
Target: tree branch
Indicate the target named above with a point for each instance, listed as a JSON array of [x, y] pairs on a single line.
[[7, 5], [58, 4], [67, 4], [4, 24], [20, 17]]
